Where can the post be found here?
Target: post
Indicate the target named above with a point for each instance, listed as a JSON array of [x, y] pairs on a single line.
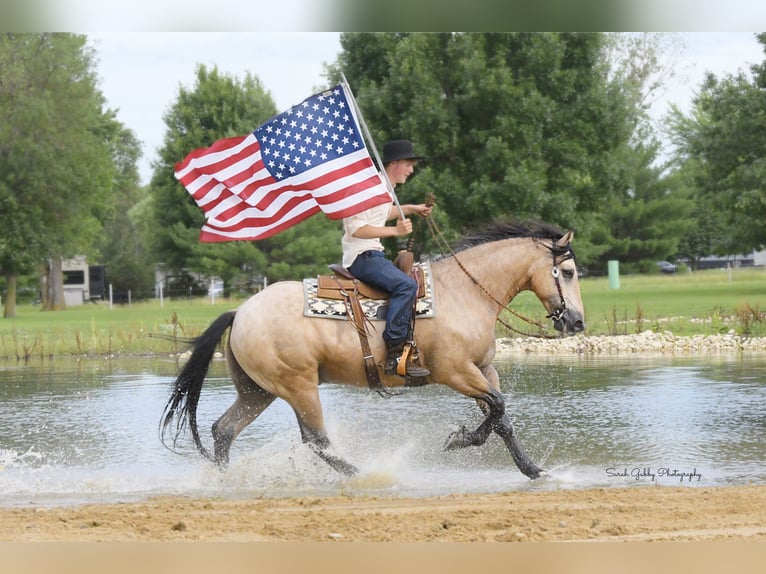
[[111, 299], [614, 274]]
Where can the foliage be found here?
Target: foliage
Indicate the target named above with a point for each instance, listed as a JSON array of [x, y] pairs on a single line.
[[304, 250], [57, 171], [723, 139], [647, 222], [218, 106], [531, 125]]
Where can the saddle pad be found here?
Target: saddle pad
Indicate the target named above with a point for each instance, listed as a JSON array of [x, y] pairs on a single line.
[[374, 309]]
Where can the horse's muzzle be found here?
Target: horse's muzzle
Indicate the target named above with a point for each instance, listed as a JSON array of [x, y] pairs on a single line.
[[569, 322]]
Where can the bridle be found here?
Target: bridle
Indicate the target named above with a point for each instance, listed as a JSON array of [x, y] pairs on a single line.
[[565, 253]]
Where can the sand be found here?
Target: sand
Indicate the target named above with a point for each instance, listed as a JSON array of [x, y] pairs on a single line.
[[636, 513]]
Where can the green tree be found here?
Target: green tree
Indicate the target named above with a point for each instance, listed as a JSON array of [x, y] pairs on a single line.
[[709, 232], [648, 221], [122, 248], [304, 250], [218, 106], [724, 138], [56, 169], [521, 124]]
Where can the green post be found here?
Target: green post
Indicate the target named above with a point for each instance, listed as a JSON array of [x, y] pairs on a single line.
[[614, 274]]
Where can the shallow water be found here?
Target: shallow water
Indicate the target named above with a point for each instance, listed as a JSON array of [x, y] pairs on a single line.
[[76, 432]]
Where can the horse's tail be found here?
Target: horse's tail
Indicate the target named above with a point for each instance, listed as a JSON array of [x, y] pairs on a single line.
[[182, 405]]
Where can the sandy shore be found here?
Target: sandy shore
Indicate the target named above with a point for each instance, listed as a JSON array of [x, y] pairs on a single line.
[[641, 513]]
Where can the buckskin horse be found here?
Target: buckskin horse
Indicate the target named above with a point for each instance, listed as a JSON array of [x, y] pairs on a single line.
[[274, 350]]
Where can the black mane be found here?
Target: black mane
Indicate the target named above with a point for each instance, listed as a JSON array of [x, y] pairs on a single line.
[[499, 230]]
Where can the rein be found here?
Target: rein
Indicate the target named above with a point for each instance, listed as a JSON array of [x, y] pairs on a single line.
[[555, 315]]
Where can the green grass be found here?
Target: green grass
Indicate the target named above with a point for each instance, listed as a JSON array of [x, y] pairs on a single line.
[[708, 302], [705, 302], [97, 329]]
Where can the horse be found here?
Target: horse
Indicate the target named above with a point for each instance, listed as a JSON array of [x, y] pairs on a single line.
[[274, 351]]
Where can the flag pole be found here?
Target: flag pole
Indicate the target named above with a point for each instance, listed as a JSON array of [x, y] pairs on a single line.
[[371, 143]]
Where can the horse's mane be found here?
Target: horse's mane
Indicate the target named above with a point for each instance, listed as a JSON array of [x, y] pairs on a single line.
[[502, 229]]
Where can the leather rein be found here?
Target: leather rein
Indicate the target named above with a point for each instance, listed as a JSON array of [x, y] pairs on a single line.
[[565, 253]]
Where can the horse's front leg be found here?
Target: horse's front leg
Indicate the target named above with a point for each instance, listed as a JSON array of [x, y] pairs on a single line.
[[492, 404]]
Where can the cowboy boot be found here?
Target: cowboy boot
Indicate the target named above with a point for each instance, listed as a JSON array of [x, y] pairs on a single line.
[[393, 357]]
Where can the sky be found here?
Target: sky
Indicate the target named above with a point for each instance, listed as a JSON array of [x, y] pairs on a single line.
[[141, 72]]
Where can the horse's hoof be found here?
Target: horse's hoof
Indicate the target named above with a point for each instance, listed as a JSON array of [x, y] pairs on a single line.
[[457, 439], [540, 475]]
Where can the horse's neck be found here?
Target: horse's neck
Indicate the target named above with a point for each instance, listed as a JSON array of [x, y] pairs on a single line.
[[500, 268]]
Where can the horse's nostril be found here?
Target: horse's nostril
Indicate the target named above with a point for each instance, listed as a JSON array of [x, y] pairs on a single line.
[[579, 326]]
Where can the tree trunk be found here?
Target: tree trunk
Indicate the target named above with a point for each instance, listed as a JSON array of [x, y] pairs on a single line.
[[56, 300], [10, 296], [45, 277]]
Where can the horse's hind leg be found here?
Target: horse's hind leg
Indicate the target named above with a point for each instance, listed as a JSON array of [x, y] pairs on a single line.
[[235, 419], [320, 444], [251, 401], [308, 410]]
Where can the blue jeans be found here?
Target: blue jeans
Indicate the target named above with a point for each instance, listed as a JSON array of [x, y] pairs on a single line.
[[372, 267]]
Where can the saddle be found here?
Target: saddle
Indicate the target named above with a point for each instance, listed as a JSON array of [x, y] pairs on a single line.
[[344, 286], [333, 286]]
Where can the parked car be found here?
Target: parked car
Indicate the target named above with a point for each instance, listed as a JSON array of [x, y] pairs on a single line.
[[666, 267]]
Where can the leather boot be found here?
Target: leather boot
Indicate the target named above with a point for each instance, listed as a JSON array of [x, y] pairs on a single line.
[[393, 357]]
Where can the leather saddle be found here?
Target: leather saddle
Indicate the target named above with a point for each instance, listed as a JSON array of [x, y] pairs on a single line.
[[334, 286], [344, 286]]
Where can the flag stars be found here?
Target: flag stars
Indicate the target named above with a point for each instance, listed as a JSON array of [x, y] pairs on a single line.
[[318, 130]]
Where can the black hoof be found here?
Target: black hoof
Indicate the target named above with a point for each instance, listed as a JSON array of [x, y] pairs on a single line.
[[458, 439]]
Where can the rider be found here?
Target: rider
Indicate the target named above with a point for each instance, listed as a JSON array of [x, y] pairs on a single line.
[[363, 254]]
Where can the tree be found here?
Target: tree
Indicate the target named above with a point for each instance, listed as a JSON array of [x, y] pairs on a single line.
[[724, 137], [56, 170], [649, 220], [521, 124], [122, 249], [218, 106]]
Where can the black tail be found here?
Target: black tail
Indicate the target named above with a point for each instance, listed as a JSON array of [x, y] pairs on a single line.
[[182, 405]]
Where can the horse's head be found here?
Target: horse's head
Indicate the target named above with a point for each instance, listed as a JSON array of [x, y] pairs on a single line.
[[554, 281]]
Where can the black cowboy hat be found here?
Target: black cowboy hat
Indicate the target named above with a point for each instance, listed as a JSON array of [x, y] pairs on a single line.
[[399, 149]]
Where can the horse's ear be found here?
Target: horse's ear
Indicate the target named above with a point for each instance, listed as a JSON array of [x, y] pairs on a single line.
[[565, 240]]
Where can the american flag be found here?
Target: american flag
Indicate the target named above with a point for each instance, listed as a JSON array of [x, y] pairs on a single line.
[[310, 158]]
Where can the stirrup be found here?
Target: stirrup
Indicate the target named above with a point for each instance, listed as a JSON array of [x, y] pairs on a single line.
[[393, 365]]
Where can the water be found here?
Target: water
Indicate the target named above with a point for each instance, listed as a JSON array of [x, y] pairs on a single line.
[[77, 432]]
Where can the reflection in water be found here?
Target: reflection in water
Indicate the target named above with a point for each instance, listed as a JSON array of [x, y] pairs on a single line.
[[88, 431]]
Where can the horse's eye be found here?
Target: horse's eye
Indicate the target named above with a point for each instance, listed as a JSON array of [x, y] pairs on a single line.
[[568, 273]]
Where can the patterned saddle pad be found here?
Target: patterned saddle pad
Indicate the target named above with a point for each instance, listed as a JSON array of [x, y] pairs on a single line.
[[374, 309]]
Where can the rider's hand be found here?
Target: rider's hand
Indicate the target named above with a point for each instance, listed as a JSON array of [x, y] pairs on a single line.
[[403, 226]]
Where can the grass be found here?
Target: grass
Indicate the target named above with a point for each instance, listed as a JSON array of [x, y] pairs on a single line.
[[704, 302], [96, 329], [708, 302]]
